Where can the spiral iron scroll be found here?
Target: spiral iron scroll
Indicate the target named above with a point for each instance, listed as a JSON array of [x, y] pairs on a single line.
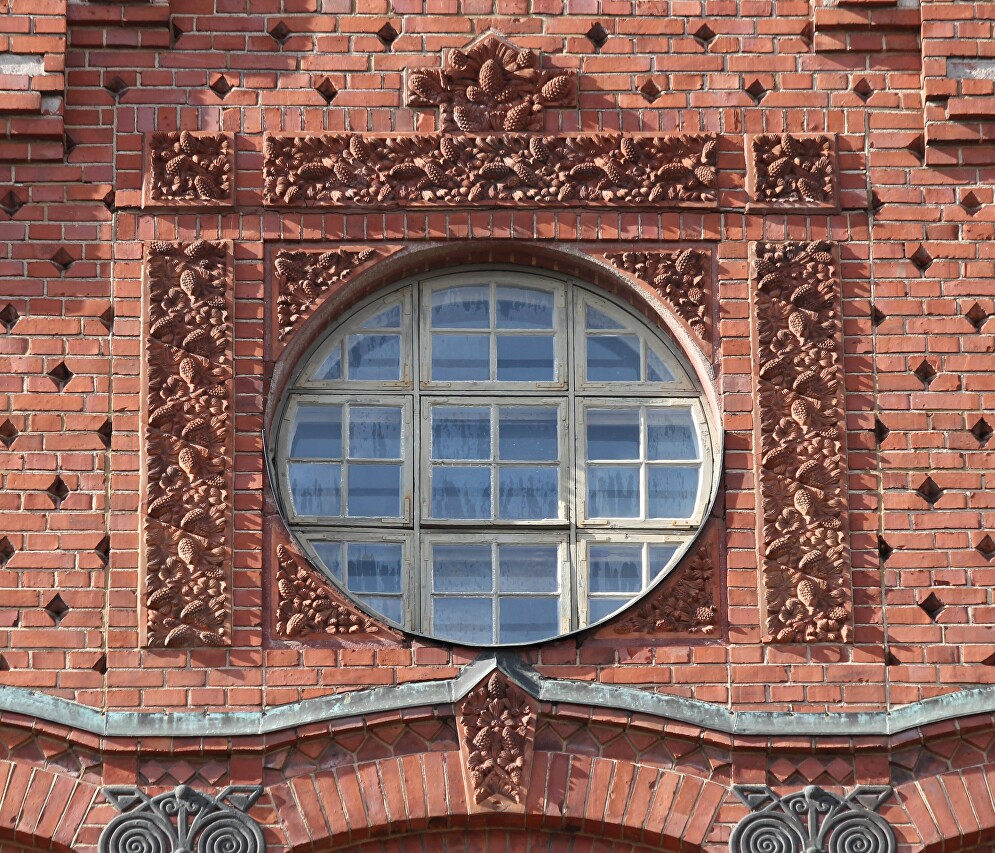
[[182, 821], [812, 821]]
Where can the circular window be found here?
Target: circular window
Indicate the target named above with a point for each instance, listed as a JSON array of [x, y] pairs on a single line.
[[494, 457]]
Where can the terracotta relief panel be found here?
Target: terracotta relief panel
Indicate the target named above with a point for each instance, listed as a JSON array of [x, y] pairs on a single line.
[[190, 168], [188, 444], [308, 605], [682, 277], [685, 603], [802, 457], [797, 171], [497, 721], [439, 171], [491, 86], [303, 277]]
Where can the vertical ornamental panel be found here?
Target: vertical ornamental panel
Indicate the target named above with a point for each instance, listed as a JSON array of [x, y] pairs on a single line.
[[188, 445], [801, 459]]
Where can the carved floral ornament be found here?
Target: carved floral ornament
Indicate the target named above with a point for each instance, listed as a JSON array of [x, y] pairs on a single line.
[[188, 445], [497, 731], [491, 86], [793, 170], [439, 171], [182, 821], [190, 168], [802, 470], [813, 821]]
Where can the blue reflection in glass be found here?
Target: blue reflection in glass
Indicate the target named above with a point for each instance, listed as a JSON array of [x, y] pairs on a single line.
[[461, 492], [461, 432], [524, 308], [317, 432], [672, 492], [460, 358], [330, 554], [656, 370], [374, 432], [613, 358], [600, 608], [525, 358], [612, 491], [670, 434], [529, 568], [331, 367], [374, 491], [388, 607], [461, 308], [616, 568], [599, 320], [316, 488], [527, 618], [613, 434], [462, 568], [389, 318], [374, 356], [527, 433], [527, 493], [465, 620], [374, 567]]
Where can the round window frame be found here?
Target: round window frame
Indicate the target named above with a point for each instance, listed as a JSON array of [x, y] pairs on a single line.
[[659, 323]]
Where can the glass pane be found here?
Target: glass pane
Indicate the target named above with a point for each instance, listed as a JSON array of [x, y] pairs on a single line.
[[613, 358], [613, 492], [524, 308], [660, 557], [526, 434], [525, 358], [330, 554], [672, 492], [466, 620], [374, 432], [616, 568], [461, 432], [316, 488], [597, 320], [461, 308], [389, 318], [524, 620], [331, 367], [656, 370], [374, 567], [374, 491], [460, 358], [529, 568], [528, 493], [317, 432], [389, 608], [599, 608], [670, 434], [462, 568], [374, 357], [613, 434], [461, 492]]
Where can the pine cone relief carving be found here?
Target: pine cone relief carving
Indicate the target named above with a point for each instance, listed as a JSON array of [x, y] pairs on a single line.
[[188, 442], [190, 168], [497, 731], [802, 475], [302, 278], [491, 86], [796, 171]]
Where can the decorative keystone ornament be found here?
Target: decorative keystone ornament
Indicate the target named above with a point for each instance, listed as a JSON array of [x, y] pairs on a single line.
[[813, 821], [182, 821], [491, 86]]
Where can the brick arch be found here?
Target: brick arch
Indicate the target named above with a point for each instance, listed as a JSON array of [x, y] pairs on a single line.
[[599, 797], [954, 811], [41, 810]]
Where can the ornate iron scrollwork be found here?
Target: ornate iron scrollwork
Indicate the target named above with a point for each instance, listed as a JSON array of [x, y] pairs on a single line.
[[813, 821], [182, 821]]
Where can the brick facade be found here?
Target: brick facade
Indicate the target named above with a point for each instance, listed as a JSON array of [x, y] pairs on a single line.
[[798, 192]]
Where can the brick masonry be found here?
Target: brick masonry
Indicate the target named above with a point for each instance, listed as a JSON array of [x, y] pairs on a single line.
[[661, 150]]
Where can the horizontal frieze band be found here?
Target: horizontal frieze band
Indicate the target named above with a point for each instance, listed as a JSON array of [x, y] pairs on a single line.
[[510, 170]]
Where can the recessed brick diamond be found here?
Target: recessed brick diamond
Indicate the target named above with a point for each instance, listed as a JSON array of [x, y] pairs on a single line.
[[976, 316], [327, 90], [281, 32], [931, 606], [970, 202], [704, 34], [917, 145], [100, 665], [108, 200], [8, 317], [862, 89], [8, 432], [387, 34], [107, 318], [650, 91], [881, 431], [6, 551], [61, 375], [986, 547], [58, 491], [116, 86], [11, 202], [877, 316], [982, 430], [597, 35], [56, 608], [175, 33], [220, 86], [756, 90], [922, 259], [105, 432], [103, 550], [925, 371], [63, 260], [884, 549], [929, 491]]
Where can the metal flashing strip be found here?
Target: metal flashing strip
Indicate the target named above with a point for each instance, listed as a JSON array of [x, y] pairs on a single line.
[[52, 709]]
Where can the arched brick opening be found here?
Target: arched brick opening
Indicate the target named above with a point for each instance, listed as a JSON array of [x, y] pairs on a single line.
[[597, 797], [952, 812], [40, 810]]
